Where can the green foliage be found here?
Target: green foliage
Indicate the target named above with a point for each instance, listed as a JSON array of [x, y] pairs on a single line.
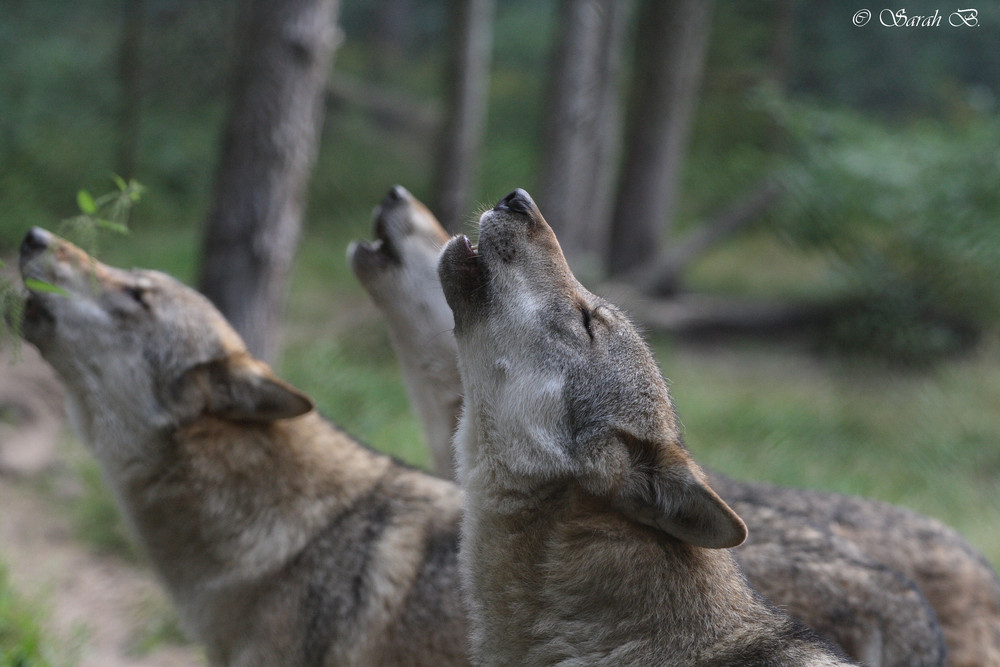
[[22, 641], [40, 286], [896, 72], [908, 216], [110, 211], [61, 98]]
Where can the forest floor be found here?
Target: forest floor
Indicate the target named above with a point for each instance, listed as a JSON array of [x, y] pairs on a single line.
[[99, 609]]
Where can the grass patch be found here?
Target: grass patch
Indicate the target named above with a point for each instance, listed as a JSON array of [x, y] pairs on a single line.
[[23, 643], [360, 392], [761, 266], [159, 625]]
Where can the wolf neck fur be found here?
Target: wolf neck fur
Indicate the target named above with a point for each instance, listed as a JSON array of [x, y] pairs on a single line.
[[196, 508], [542, 544]]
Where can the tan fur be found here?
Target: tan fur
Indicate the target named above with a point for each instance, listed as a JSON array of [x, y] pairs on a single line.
[[281, 540], [874, 611], [590, 536]]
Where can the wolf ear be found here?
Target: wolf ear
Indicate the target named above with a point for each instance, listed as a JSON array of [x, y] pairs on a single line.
[[661, 487], [240, 388], [685, 506]]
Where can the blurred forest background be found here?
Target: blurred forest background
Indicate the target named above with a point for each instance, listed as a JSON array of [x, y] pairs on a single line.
[[803, 212]]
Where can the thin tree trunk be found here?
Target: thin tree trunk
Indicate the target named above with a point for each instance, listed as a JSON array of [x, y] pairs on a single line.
[[607, 129], [252, 231], [471, 29], [780, 64], [670, 52], [580, 138], [781, 46], [130, 79]]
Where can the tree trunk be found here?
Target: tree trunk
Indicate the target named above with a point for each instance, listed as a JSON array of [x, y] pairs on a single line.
[[580, 140], [251, 235], [130, 81], [670, 50], [781, 45], [471, 29]]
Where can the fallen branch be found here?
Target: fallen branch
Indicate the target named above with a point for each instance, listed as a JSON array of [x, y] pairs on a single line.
[[662, 276], [390, 107], [702, 316]]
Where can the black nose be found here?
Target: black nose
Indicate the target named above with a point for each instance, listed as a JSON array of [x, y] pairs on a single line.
[[396, 194], [517, 201], [35, 241]]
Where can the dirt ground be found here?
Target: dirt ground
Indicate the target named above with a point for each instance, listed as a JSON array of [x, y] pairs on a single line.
[[100, 608]]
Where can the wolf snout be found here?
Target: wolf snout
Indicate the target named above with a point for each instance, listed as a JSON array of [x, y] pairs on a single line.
[[517, 201], [35, 241], [395, 194]]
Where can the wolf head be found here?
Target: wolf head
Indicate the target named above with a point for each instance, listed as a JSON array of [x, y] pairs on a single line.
[[408, 236], [399, 272], [140, 350], [561, 387]]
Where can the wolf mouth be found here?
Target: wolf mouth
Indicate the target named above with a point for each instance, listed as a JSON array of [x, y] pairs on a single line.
[[380, 252], [467, 264], [377, 250], [464, 276], [470, 261], [383, 245]]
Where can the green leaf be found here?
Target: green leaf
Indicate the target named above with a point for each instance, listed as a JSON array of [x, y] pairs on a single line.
[[86, 202], [119, 181], [36, 285], [111, 226]]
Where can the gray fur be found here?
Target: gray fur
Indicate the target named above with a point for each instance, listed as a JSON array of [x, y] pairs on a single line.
[[590, 536], [872, 610], [281, 540]]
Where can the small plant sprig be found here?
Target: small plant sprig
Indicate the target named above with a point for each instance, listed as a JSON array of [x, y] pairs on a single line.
[[11, 313], [109, 212]]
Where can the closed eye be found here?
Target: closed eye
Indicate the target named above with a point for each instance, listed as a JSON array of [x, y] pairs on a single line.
[[138, 295]]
